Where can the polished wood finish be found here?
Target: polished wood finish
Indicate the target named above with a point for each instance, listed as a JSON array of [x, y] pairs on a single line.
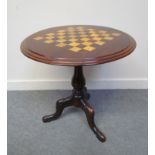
[[79, 98], [78, 46]]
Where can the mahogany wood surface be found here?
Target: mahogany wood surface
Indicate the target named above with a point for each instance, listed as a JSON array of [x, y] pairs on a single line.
[[78, 45]]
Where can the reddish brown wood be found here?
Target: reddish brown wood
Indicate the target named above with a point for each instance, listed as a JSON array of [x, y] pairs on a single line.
[[79, 46], [79, 98], [49, 53]]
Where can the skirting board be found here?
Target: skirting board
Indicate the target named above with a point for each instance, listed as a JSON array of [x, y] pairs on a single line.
[[65, 84]]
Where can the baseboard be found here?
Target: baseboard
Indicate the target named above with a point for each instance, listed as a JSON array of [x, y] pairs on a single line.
[[65, 84]]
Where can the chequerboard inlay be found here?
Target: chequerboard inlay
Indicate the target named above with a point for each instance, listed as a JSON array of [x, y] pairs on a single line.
[[77, 38]]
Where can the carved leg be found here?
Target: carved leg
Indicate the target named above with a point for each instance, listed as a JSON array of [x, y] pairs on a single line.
[[86, 107], [78, 98], [60, 105], [86, 94]]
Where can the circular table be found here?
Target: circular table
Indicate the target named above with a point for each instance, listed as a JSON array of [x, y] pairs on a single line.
[[78, 46]]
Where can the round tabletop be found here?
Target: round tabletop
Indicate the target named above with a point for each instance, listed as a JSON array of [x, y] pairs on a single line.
[[78, 45]]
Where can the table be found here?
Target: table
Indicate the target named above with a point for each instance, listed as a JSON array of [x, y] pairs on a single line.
[[78, 46]]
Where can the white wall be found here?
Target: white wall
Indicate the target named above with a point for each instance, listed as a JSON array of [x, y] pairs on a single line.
[[28, 16]]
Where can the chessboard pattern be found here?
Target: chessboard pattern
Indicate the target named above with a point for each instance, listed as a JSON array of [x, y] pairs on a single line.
[[78, 39]]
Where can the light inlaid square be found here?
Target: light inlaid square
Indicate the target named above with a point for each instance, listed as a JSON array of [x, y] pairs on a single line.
[[75, 49], [74, 44], [38, 38], [61, 45], [48, 41], [60, 37], [105, 35], [61, 33], [49, 37], [50, 34], [89, 48], [108, 38], [116, 34], [73, 39], [94, 35], [87, 43], [61, 40], [97, 38], [85, 39], [100, 43], [72, 36]]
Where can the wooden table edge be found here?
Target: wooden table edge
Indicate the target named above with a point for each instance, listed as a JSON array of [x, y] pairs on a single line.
[[78, 62]]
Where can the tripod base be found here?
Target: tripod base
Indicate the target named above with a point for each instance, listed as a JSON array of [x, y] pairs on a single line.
[[79, 98]]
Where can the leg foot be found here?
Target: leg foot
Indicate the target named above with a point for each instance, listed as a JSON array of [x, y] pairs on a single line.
[[60, 105], [90, 118]]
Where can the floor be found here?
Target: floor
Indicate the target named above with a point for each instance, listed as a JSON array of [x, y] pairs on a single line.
[[120, 114]]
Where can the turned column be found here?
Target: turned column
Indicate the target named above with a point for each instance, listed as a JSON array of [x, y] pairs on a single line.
[[78, 83]]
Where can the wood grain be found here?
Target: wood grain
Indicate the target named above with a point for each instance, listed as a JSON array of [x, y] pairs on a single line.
[[46, 50]]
